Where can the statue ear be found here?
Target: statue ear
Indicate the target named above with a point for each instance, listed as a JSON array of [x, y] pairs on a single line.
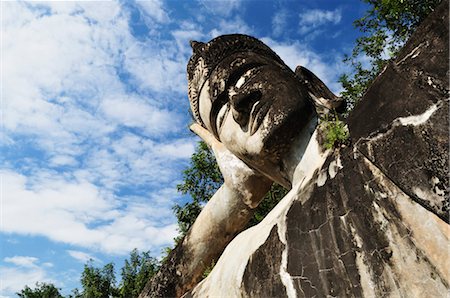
[[196, 46], [323, 98]]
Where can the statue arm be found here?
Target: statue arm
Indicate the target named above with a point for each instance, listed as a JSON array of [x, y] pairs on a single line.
[[225, 215]]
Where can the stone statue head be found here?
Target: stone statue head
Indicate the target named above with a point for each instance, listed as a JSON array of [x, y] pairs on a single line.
[[248, 98]]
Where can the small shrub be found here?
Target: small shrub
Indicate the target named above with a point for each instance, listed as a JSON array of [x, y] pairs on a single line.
[[335, 131], [209, 269]]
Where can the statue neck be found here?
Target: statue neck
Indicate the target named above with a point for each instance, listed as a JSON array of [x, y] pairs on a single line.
[[305, 156]]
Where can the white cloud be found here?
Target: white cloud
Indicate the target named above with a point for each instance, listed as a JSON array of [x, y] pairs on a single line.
[[230, 26], [157, 66], [279, 22], [63, 160], [48, 55], [154, 9], [82, 257], [134, 160], [296, 53], [22, 261], [221, 7], [132, 111], [310, 20], [14, 279], [64, 95], [79, 213], [182, 148], [59, 69], [23, 270]]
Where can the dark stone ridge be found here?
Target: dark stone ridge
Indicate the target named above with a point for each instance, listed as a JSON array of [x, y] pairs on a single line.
[[404, 89], [322, 250], [414, 157], [261, 276]]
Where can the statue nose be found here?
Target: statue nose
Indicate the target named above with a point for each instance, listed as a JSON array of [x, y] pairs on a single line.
[[242, 104]]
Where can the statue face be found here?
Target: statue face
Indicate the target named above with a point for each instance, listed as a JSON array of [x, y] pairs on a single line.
[[255, 106]]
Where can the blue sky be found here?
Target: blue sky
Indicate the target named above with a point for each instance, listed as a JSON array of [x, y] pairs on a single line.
[[94, 116]]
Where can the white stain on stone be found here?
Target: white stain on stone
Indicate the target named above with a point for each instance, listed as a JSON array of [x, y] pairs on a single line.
[[430, 82], [428, 195], [225, 280], [240, 82], [312, 159], [381, 218], [434, 182], [414, 120], [237, 172], [285, 277], [382, 195], [367, 284], [320, 101], [322, 178], [418, 119], [427, 236], [413, 54], [334, 167]]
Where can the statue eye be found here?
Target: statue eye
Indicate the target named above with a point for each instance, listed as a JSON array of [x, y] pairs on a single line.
[[219, 110], [221, 116], [237, 77]]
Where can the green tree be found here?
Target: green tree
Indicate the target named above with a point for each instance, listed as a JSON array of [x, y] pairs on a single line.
[[386, 26], [136, 272], [98, 282], [275, 194], [202, 179], [75, 294], [42, 290]]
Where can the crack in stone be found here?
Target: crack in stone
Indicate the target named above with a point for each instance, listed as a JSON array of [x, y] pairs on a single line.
[[305, 279], [317, 230]]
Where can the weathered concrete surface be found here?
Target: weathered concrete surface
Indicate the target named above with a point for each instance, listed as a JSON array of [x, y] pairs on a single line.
[[357, 235], [373, 221], [402, 125]]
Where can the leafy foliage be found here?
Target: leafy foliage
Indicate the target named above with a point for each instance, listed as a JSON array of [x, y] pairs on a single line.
[[386, 26], [42, 290], [275, 194], [98, 282], [209, 269], [202, 179], [136, 272], [101, 282], [335, 131]]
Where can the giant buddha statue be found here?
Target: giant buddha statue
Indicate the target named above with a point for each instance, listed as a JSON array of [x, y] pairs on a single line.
[[259, 118], [346, 228]]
